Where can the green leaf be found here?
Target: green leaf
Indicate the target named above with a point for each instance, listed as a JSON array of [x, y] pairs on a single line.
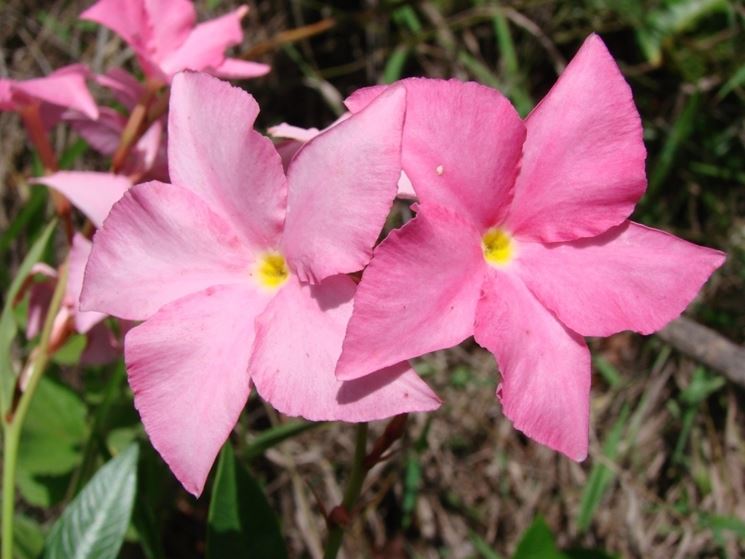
[[537, 543], [28, 537], [275, 435], [54, 431], [8, 326], [94, 524], [240, 522], [601, 475]]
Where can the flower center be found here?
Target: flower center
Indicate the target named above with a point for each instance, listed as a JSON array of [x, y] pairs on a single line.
[[271, 270], [497, 246]]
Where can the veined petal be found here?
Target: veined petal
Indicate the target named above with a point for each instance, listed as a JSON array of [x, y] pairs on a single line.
[[630, 278], [583, 163], [159, 243], [92, 193], [545, 367], [79, 253], [64, 87], [461, 147], [341, 188], [418, 294], [187, 367], [298, 342], [214, 151], [204, 47]]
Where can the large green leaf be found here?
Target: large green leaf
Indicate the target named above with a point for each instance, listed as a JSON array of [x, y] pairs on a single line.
[[54, 431], [8, 326], [241, 523], [94, 524], [538, 543]]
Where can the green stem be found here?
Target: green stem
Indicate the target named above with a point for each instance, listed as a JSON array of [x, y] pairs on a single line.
[[13, 421], [354, 487]]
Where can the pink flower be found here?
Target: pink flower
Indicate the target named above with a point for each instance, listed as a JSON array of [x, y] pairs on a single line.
[[102, 346], [239, 272], [62, 89], [166, 40], [522, 240]]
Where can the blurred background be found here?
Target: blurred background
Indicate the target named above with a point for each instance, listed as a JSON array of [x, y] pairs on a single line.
[[666, 472]]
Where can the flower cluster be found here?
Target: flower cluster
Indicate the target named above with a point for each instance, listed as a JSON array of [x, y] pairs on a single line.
[[240, 259]]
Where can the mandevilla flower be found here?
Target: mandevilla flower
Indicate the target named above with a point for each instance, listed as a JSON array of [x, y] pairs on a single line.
[[522, 240], [239, 272], [61, 90], [166, 40]]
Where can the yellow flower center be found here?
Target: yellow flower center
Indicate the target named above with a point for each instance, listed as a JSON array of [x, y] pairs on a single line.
[[271, 270], [498, 247]]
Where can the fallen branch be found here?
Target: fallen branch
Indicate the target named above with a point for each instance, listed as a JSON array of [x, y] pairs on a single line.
[[707, 346]]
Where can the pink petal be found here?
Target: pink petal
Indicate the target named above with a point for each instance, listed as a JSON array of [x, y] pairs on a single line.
[[236, 69], [405, 188], [187, 367], [148, 152], [103, 134], [92, 193], [298, 341], [630, 278], [341, 188], [40, 295], [418, 294], [159, 243], [125, 87], [205, 45], [545, 368], [126, 19], [461, 148], [583, 161], [170, 22], [65, 88], [102, 347], [214, 151], [77, 260]]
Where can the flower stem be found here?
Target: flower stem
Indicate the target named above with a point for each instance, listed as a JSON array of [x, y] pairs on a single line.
[[352, 493], [13, 420]]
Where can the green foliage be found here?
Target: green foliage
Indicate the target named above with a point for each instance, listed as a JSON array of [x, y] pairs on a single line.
[[94, 523], [241, 523]]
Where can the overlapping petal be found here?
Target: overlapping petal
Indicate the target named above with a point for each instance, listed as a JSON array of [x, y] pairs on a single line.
[[298, 342], [461, 147], [630, 278], [235, 68], [190, 389], [92, 193], [214, 151], [583, 162], [418, 294], [64, 87], [77, 260], [205, 45], [163, 242], [545, 367], [341, 188]]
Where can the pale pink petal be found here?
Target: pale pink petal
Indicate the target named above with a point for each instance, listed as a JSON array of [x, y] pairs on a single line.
[[65, 87], [92, 193], [289, 132], [341, 188], [237, 69], [298, 341], [205, 45], [630, 278], [170, 22], [583, 162], [125, 87], [214, 151], [405, 188], [159, 243], [418, 294], [461, 147], [187, 367], [127, 19], [545, 368], [40, 295], [77, 260]]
